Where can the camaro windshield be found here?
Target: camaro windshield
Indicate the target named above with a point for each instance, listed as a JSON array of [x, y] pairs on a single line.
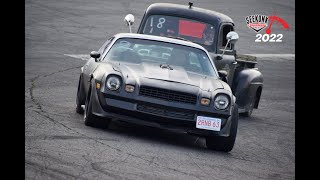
[[171, 56], [195, 31]]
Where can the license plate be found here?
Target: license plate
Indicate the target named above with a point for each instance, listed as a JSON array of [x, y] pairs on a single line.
[[208, 123]]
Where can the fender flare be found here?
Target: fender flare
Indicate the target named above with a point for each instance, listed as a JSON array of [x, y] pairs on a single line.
[[248, 84]]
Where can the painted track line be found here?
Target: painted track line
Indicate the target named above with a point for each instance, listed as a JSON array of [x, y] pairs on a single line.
[[260, 57], [84, 57], [273, 57]]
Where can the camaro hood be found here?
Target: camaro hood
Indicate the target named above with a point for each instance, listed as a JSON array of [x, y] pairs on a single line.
[[177, 75]]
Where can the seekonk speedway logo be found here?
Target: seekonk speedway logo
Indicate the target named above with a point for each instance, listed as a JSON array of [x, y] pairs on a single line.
[[259, 22]]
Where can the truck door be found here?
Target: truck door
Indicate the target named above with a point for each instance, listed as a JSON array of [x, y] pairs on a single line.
[[228, 63]]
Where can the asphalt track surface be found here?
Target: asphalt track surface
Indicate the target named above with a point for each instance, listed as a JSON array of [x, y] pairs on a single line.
[[59, 146]]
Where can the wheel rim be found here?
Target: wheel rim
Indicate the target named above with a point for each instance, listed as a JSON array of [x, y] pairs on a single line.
[[251, 106], [85, 114], [250, 111], [78, 93], [86, 109]]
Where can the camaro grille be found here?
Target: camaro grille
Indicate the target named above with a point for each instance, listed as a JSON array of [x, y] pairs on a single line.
[[162, 111], [168, 95]]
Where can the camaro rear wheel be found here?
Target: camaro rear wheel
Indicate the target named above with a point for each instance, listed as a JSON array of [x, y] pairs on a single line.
[[225, 143], [80, 99], [91, 119]]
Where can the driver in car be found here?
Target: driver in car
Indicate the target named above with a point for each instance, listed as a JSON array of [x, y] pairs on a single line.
[[208, 35]]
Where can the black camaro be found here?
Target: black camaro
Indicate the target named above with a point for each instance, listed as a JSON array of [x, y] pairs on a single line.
[[160, 82]]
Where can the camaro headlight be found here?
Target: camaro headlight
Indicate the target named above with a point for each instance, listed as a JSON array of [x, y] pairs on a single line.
[[221, 102], [113, 83]]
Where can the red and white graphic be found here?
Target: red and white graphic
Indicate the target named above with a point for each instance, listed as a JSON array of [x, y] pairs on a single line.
[[277, 20], [259, 22]]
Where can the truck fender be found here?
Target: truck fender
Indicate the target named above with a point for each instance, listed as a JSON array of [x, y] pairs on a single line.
[[247, 85]]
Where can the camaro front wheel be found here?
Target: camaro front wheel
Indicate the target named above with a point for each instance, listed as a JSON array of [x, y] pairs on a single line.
[[80, 100], [225, 143], [91, 119]]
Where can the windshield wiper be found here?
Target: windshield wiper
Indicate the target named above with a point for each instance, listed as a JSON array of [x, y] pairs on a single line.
[[167, 66], [178, 37]]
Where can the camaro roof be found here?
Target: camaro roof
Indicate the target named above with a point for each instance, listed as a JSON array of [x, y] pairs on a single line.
[[159, 38], [184, 10]]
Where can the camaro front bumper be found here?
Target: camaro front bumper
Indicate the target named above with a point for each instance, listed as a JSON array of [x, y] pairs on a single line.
[[153, 114]]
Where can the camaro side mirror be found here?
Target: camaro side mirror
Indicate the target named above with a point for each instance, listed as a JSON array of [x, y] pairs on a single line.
[[129, 19], [232, 38], [223, 75], [95, 55]]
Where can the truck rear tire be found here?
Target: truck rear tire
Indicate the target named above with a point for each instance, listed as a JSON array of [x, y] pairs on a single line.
[[249, 112]]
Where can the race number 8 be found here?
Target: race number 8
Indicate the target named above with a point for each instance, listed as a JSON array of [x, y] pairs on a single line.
[[269, 38], [161, 21]]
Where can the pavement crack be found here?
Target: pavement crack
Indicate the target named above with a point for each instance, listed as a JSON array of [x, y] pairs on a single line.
[[152, 160], [61, 71], [123, 161], [51, 171], [96, 140], [33, 80], [31, 92], [97, 167], [63, 137], [197, 163]]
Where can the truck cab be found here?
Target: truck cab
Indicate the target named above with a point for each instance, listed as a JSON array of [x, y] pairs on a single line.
[[216, 33]]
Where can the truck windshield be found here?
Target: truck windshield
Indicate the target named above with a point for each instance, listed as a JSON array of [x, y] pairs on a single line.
[[170, 26], [172, 56]]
